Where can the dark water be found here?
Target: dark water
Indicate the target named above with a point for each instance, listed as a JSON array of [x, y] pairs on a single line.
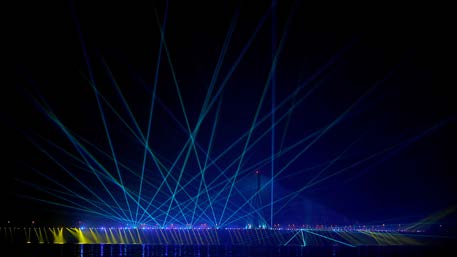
[[74, 250]]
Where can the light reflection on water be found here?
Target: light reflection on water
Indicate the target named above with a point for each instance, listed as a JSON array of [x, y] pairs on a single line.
[[177, 251], [124, 250]]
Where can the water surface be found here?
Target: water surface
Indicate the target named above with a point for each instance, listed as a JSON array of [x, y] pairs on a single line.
[[95, 250]]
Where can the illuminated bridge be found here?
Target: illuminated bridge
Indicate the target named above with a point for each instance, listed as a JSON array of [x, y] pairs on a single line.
[[212, 237]]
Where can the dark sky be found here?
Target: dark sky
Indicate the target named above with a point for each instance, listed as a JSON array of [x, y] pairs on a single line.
[[395, 67]]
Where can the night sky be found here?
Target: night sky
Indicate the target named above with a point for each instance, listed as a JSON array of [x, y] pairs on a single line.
[[391, 74]]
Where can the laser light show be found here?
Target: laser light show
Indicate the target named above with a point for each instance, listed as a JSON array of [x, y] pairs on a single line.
[[140, 129]]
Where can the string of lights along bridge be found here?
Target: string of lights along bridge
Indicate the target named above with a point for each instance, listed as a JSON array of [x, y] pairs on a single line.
[[315, 236]]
